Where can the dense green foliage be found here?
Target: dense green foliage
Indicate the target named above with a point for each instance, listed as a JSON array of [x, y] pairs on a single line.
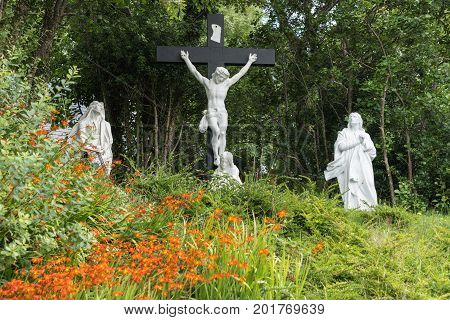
[[386, 60], [48, 194]]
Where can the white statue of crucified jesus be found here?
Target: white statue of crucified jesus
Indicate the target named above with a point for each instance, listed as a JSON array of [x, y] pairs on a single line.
[[216, 117]]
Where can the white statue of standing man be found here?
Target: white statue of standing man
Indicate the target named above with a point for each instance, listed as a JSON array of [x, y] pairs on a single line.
[[95, 133], [354, 152], [216, 117]]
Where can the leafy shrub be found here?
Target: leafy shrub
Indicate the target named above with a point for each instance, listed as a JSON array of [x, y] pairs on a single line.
[[159, 181], [440, 202], [408, 199], [383, 214], [49, 195]]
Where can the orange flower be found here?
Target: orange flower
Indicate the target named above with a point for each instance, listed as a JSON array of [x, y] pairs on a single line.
[[234, 219], [282, 214], [144, 298], [277, 227], [318, 247], [199, 196], [41, 132], [35, 179], [117, 293], [186, 196], [48, 166], [36, 260], [237, 263], [226, 238], [268, 220], [64, 122], [263, 252], [249, 238]]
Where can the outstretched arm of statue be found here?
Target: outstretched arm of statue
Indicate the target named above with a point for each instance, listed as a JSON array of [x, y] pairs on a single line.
[[191, 67], [251, 58]]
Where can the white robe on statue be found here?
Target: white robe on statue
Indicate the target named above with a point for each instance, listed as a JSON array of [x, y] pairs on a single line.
[[93, 130], [352, 166]]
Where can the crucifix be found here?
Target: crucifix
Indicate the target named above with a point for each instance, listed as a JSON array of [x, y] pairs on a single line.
[[215, 55]]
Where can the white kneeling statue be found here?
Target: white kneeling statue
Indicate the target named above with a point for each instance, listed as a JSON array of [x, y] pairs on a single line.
[[95, 132], [227, 168], [352, 165]]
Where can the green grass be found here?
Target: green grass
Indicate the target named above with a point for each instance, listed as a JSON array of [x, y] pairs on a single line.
[[388, 253], [384, 260]]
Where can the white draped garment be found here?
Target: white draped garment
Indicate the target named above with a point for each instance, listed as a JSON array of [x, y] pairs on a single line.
[[352, 166], [93, 130]]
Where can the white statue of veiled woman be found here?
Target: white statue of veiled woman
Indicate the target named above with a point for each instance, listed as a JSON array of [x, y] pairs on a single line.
[[354, 152], [227, 168], [95, 132]]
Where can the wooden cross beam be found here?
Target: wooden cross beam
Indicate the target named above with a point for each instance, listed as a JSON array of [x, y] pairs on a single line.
[[215, 55]]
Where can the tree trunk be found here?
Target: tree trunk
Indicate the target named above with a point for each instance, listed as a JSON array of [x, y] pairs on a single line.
[[345, 45], [383, 139], [138, 139], [172, 128], [52, 19], [2, 7], [349, 94], [316, 147], [126, 118], [166, 147], [410, 163], [156, 132], [105, 99], [324, 132]]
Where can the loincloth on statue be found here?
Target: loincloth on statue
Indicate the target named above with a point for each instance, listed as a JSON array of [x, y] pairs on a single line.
[[220, 115]]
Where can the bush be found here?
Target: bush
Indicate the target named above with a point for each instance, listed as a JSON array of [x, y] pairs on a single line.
[[157, 182], [383, 214], [408, 199], [49, 195]]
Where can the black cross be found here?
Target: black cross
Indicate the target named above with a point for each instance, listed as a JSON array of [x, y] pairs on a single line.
[[215, 55]]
